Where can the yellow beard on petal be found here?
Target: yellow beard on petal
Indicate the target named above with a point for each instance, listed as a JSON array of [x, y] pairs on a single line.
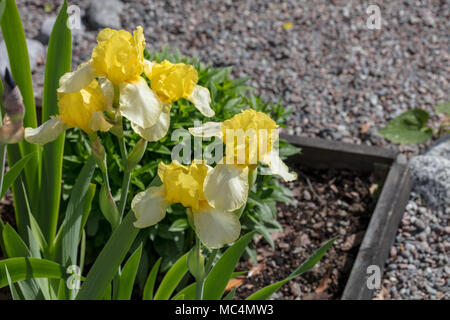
[[173, 81], [184, 184], [246, 121], [76, 109], [119, 56]]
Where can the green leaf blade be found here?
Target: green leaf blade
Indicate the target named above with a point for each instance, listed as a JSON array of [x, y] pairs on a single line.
[[107, 263], [222, 271], [70, 233], [267, 292], [150, 283], [14, 172], [171, 279], [128, 275], [59, 56], [28, 268]]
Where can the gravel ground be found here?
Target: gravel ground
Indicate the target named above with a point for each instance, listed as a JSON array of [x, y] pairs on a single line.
[[343, 80], [418, 266]]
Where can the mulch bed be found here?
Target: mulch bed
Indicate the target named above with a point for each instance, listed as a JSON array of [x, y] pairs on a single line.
[[328, 203]]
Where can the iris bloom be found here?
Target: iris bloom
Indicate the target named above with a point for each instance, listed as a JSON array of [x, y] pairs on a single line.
[[215, 225], [171, 82], [82, 109], [250, 137], [119, 59]]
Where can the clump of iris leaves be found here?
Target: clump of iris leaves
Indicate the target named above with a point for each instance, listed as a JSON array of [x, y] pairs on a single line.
[[171, 238]]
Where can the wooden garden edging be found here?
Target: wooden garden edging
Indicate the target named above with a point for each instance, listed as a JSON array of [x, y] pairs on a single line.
[[383, 225]]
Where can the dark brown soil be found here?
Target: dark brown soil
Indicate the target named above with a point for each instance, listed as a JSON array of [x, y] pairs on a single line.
[[328, 203], [7, 209]]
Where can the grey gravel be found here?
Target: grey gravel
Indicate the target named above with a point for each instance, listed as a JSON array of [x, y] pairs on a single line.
[[430, 177], [418, 266]]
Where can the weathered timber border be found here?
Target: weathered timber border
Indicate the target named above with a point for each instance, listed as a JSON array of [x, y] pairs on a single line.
[[383, 225]]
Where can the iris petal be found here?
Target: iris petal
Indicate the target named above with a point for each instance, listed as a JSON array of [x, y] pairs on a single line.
[[201, 99], [226, 187], [149, 207], [158, 130], [46, 132], [139, 104], [209, 129], [278, 167], [75, 81], [216, 228]]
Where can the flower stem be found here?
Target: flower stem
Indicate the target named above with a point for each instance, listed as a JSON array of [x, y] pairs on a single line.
[[124, 193], [199, 288], [210, 261], [126, 178], [201, 280]]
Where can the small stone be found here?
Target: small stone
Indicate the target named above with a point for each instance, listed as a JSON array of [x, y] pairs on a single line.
[[295, 288], [356, 208], [306, 195], [393, 252], [420, 224], [105, 14], [430, 177], [36, 53], [46, 29], [318, 225]]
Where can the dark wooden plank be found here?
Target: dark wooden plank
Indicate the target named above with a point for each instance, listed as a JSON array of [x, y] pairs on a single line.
[[380, 234], [322, 154]]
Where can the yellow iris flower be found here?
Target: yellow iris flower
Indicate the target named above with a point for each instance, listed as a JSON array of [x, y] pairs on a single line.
[[188, 185], [171, 82], [117, 62], [119, 59], [250, 137], [82, 109]]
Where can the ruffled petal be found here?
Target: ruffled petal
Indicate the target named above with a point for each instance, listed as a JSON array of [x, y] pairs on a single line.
[[226, 187], [209, 129], [216, 228], [75, 81], [148, 65], [149, 207], [139, 104], [46, 132], [278, 167], [158, 130], [99, 123], [201, 99]]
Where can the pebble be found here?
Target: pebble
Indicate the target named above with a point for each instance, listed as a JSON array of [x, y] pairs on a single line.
[[36, 54], [105, 14], [420, 224]]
